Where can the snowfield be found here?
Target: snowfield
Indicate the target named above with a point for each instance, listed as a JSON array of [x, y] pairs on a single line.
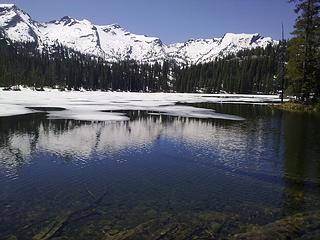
[[97, 106]]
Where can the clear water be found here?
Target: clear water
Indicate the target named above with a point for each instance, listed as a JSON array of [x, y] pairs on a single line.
[[157, 177]]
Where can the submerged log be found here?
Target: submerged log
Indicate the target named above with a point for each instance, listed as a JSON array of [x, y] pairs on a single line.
[[55, 228], [52, 228]]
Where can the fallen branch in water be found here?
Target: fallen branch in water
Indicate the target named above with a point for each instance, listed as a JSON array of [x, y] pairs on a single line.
[[55, 228]]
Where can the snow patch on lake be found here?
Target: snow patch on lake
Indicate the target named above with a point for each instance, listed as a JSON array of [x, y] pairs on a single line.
[[94, 106]]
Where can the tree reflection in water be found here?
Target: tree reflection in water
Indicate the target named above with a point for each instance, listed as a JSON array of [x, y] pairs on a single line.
[[70, 179]]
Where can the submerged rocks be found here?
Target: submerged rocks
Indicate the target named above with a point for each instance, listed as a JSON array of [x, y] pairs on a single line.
[[205, 225], [175, 226], [11, 237], [214, 225], [298, 226]]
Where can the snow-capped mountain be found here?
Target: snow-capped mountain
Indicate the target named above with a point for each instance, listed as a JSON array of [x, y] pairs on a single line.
[[113, 43]]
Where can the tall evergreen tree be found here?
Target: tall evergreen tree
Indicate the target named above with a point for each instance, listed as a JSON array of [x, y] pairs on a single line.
[[303, 65]]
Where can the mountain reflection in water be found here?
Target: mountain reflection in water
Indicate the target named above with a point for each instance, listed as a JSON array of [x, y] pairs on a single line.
[[260, 169]]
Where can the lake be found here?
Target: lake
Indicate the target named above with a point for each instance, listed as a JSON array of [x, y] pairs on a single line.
[[159, 176]]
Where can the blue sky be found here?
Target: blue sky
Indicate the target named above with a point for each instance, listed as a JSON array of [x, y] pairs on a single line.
[[172, 20]]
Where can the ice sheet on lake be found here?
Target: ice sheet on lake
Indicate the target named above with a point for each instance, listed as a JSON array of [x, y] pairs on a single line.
[[94, 106]]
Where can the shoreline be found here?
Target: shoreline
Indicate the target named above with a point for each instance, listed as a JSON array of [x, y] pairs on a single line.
[[297, 107]]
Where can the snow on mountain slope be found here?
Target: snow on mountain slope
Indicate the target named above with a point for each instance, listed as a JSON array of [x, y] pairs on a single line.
[[79, 35], [114, 43], [193, 51], [207, 50], [17, 24], [119, 44]]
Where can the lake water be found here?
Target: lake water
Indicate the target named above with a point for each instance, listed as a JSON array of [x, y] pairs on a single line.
[[160, 177]]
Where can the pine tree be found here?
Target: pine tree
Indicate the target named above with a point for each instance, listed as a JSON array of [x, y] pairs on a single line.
[[304, 49]]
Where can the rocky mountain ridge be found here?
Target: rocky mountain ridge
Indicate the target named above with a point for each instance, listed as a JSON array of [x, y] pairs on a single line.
[[113, 43]]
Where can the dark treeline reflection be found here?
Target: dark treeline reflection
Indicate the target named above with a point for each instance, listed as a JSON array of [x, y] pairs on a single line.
[[301, 164]]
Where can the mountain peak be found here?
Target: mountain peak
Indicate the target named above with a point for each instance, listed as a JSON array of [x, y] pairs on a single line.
[[115, 25], [7, 6], [66, 18], [241, 38], [240, 35]]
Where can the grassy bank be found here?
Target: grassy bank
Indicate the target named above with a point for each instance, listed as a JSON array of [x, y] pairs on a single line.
[[293, 106]]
